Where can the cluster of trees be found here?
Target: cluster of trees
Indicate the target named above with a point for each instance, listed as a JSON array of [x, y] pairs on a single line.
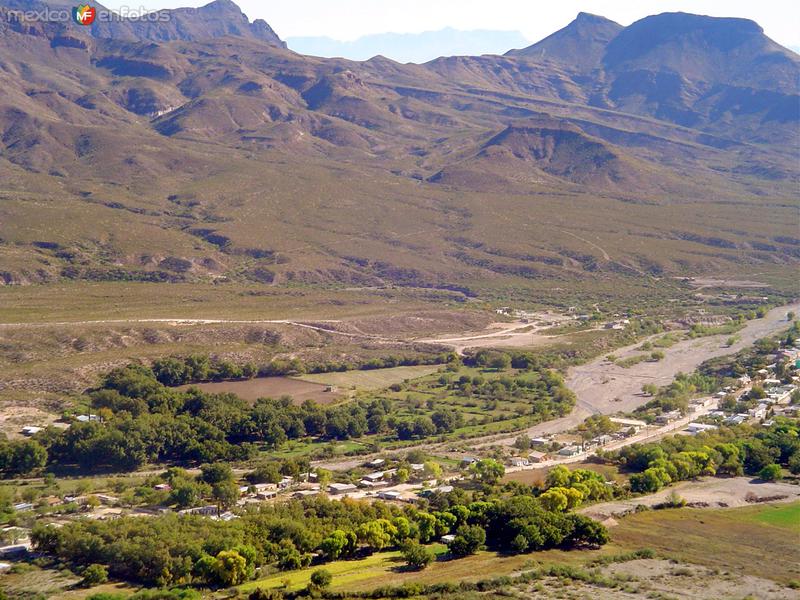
[[547, 385], [677, 394], [21, 457], [179, 370], [565, 489], [173, 549], [727, 451], [142, 421]]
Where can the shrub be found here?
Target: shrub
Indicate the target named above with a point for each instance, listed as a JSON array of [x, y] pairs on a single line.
[[94, 574], [321, 578]]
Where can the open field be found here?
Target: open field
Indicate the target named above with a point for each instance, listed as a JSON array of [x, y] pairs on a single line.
[[271, 387], [730, 539], [371, 379]]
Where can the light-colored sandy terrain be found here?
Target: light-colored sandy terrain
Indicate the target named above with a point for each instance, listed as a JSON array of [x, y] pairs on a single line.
[[603, 387], [503, 335], [711, 492]]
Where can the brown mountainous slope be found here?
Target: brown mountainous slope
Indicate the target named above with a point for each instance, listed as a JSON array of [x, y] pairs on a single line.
[[203, 148]]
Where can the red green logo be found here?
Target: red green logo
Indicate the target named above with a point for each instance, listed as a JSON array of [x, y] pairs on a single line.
[[84, 14]]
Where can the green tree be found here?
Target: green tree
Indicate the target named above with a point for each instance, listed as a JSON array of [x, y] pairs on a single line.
[[468, 540], [338, 544], [416, 555], [231, 568], [226, 493], [554, 499], [488, 470], [216, 473]]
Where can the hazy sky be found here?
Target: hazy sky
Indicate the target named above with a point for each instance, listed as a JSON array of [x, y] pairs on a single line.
[[349, 19]]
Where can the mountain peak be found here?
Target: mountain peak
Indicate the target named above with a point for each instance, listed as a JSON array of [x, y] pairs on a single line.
[[703, 48], [585, 17], [581, 44]]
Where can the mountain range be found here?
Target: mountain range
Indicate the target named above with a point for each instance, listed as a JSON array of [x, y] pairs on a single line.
[[411, 47], [199, 147]]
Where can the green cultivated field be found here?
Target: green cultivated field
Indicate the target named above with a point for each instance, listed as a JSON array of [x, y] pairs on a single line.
[[786, 516], [372, 379]]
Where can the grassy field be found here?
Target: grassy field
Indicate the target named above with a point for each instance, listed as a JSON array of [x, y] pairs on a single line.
[[786, 516], [387, 568], [370, 380], [755, 540], [77, 301]]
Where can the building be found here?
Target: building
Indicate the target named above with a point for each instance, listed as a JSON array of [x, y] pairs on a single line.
[[602, 440], [628, 423], [376, 476], [537, 457], [668, 416], [369, 484], [759, 412], [695, 428], [30, 430], [23, 506], [341, 488], [518, 461], [390, 495], [299, 495], [377, 463], [569, 451], [468, 460], [447, 539], [206, 511], [14, 550], [539, 441], [736, 419], [87, 418]]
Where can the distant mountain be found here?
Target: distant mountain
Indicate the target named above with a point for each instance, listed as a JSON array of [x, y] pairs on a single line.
[[215, 19], [411, 47], [202, 148], [581, 44]]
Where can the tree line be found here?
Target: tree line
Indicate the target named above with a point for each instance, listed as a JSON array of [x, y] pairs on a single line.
[[178, 549]]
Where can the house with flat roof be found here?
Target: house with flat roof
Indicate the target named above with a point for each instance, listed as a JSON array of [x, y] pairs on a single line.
[[341, 488]]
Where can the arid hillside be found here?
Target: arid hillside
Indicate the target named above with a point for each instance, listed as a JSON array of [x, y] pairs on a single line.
[[201, 149]]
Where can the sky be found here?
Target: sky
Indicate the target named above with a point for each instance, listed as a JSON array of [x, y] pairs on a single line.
[[348, 20]]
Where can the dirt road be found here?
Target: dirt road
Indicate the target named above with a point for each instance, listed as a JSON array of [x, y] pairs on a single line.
[[503, 335]]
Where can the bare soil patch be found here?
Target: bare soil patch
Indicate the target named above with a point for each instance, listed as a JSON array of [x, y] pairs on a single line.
[[271, 387], [712, 492]]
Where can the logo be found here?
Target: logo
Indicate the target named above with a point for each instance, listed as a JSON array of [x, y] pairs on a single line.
[[84, 14]]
